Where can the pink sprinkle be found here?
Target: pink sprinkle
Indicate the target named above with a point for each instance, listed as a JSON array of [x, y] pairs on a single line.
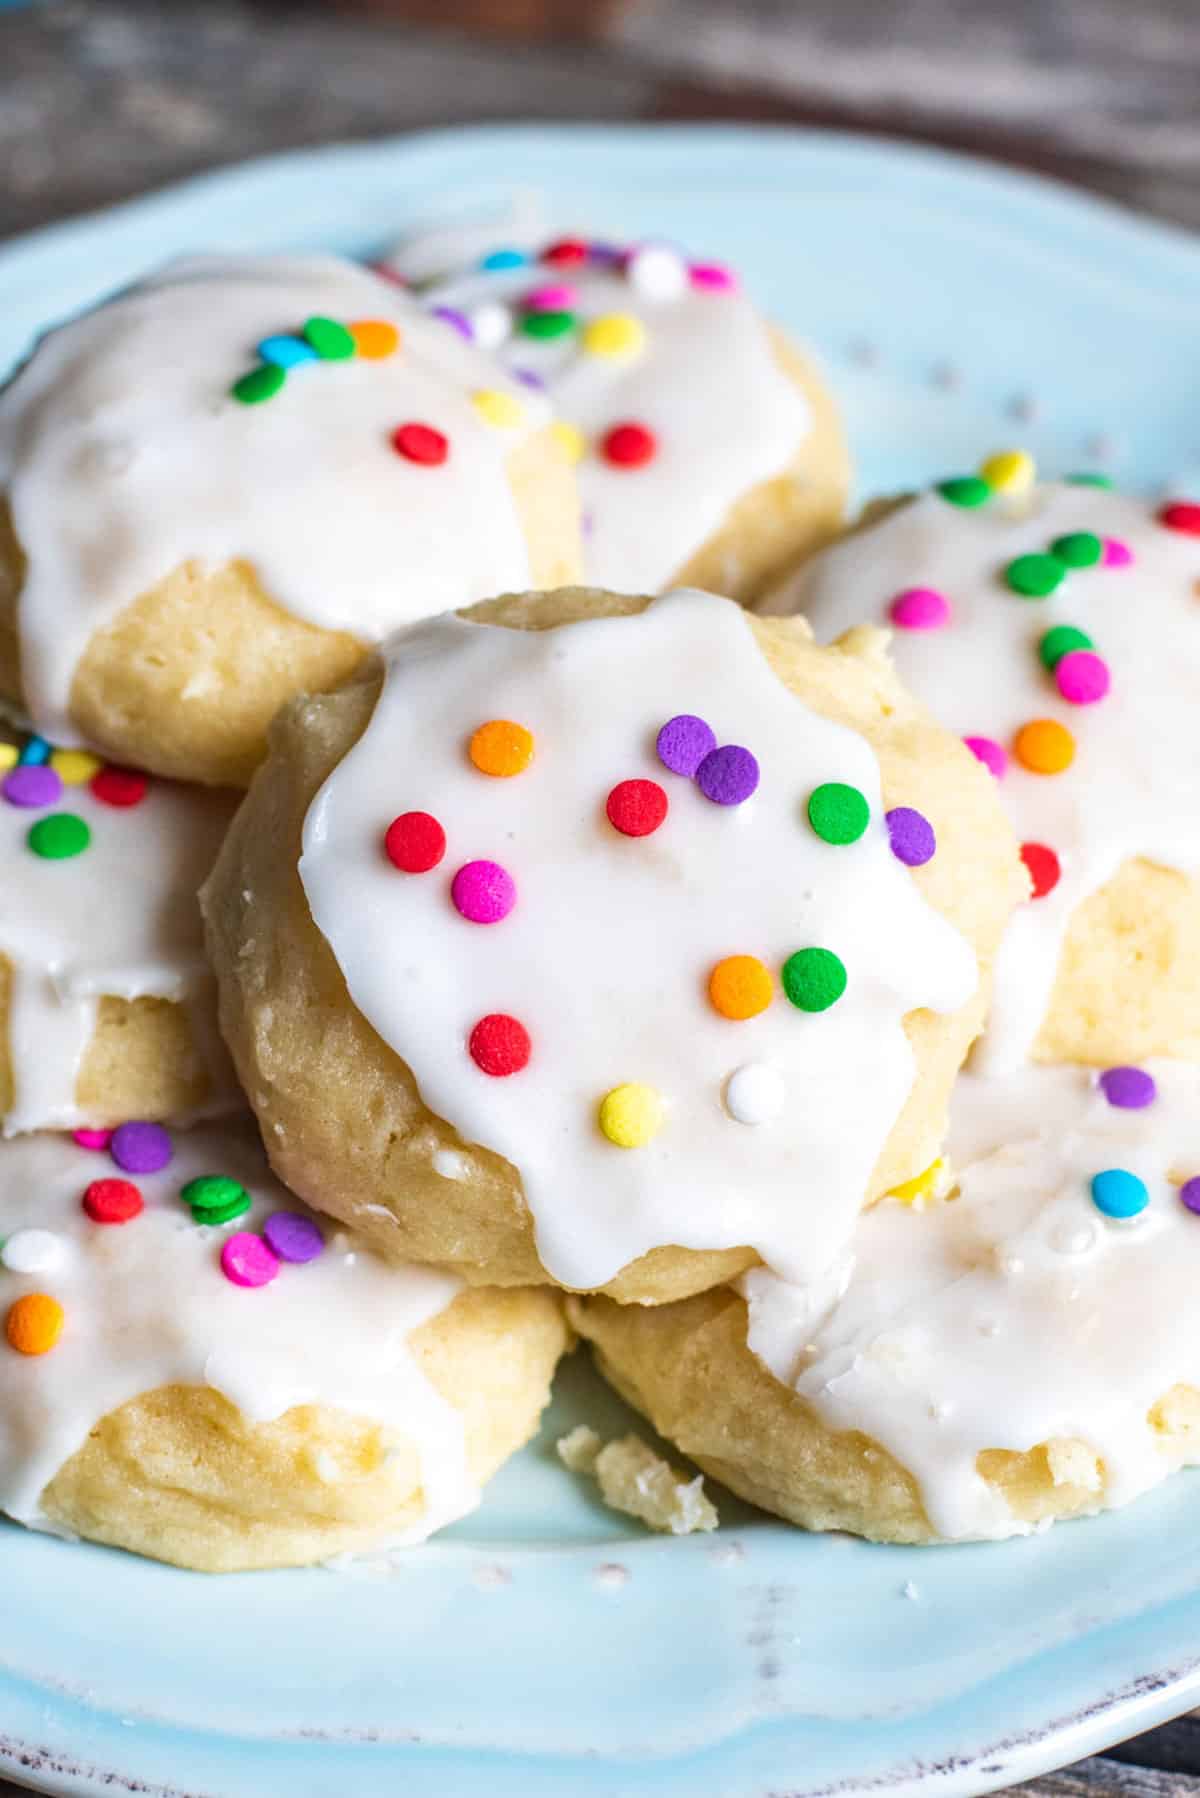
[[920, 609], [246, 1260], [1082, 677], [992, 754], [551, 299], [714, 277], [483, 892], [92, 1139], [1116, 553]]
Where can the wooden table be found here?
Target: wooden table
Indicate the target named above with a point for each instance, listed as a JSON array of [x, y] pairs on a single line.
[[100, 99]]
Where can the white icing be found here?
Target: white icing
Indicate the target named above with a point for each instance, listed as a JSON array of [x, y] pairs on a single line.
[[707, 383], [125, 455], [120, 920], [606, 956], [147, 1306], [1134, 787], [1016, 1313]]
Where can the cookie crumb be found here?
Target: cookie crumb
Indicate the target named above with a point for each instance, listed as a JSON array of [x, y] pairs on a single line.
[[578, 1450], [633, 1479]]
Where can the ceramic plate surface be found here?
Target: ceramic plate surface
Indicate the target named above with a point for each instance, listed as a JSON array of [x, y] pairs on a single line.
[[542, 1649]]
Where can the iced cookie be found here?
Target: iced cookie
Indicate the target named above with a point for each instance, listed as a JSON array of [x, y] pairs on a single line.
[[107, 1004], [709, 451], [608, 941], [1057, 628], [217, 488], [198, 1369], [994, 1363]]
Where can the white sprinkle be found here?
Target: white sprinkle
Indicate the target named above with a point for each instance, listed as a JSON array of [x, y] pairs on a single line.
[[491, 323], [658, 272], [755, 1093], [33, 1252]]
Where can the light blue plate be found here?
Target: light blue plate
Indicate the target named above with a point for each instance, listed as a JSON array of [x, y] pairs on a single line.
[[543, 1649]]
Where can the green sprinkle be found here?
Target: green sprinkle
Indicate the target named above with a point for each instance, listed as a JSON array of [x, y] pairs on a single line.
[[223, 1214], [838, 813], [262, 383], [548, 324], [965, 490], [1078, 549], [814, 979], [332, 342], [59, 836], [1059, 641], [1090, 480], [1035, 577], [212, 1192]]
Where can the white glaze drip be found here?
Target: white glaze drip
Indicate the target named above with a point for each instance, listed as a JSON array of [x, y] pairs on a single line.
[[606, 957], [1015, 1313], [147, 1306], [707, 383], [125, 456], [121, 921], [1134, 787]]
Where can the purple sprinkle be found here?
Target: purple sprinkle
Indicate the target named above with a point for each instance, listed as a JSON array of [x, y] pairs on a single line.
[[911, 835], [728, 775], [605, 255], [530, 378], [1189, 1192], [140, 1148], [1129, 1089], [450, 315], [683, 743], [31, 785], [293, 1237]]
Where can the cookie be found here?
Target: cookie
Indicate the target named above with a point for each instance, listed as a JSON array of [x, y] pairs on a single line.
[[219, 487], [992, 1364], [107, 1004], [198, 1369], [1056, 627], [608, 941], [709, 450]]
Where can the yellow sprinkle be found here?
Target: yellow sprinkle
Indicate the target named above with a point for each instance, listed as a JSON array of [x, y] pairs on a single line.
[[1010, 471], [615, 334], [75, 767], [498, 409], [631, 1115], [8, 757], [570, 440], [924, 1186]]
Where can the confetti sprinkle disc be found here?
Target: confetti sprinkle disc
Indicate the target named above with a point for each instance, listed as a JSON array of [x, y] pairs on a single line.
[[140, 1148], [1118, 1193], [483, 892], [420, 443], [59, 837], [1079, 549], [631, 1115], [32, 1252], [755, 1094], [31, 786], [215, 1199], [291, 1236], [1128, 1088], [75, 767], [375, 339], [34, 1323], [729, 775], [1082, 677], [501, 748], [503, 411], [414, 842], [545, 326], [1044, 746], [331, 341], [629, 445], [993, 755], [740, 986], [911, 836], [1189, 1192], [814, 979], [112, 1201], [119, 787], [920, 609], [1043, 868], [246, 1260], [1181, 515], [636, 807], [1059, 641], [683, 742], [262, 383], [618, 335], [500, 1045], [1010, 471], [967, 490], [1035, 576], [838, 813]]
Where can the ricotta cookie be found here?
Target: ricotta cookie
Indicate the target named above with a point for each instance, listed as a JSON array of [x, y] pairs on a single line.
[[1057, 628], [198, 1369], [107, 1004], [709, 450], [219, 487], [613, 942], [993, 1363]]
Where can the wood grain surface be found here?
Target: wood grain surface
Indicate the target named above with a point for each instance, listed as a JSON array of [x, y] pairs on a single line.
[[108, 98]]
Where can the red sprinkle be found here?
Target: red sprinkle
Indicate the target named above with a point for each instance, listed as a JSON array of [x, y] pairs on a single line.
[[1181, 515], [1043, 866], [112, 1201], [636, 807], [500, 1045], [630, 445], [121, 787], [565, 252], [420, 443], [414, 842]]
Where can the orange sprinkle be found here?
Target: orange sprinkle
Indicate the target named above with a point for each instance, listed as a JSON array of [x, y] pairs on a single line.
[[374, 338], [740, 986], [34, 1324], [1044, 746], [502, 748]]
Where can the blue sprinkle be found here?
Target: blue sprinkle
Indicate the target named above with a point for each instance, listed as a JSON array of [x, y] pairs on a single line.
[[1118, 1193], [498, 259], [286, 352], [35, 752]]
